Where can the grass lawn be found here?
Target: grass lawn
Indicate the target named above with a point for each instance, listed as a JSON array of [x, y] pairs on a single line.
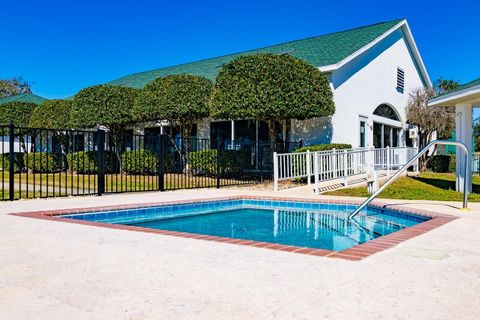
[[64, 184], [426, 186], [129, 182]]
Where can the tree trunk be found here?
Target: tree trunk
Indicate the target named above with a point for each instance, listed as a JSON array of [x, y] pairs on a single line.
[[272, 136], [187, 130], [118, 145]]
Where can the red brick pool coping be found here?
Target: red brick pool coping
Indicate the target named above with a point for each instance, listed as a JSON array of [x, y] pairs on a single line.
[[357, 252]]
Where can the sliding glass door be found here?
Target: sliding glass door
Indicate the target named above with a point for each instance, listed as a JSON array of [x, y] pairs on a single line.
[[385, 135]]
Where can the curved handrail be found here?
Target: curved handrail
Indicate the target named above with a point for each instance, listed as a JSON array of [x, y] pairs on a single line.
[[409, 163]]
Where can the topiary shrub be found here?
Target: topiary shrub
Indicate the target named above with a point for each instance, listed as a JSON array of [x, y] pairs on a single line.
[[442, 163], [139, 162], [182, 99], [272, 88], [52, 114], [16, 112], [85, 162], [43, 162], [5, 162], [324, 147]]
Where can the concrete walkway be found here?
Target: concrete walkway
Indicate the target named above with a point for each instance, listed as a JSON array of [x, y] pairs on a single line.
[[51, 270]]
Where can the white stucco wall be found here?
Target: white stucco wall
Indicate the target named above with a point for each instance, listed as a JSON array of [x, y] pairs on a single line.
[[359, 88]]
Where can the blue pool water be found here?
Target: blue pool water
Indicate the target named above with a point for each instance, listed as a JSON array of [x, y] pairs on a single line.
[[303, 224]]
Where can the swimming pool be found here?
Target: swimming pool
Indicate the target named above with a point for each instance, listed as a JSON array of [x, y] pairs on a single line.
[[302, 224]]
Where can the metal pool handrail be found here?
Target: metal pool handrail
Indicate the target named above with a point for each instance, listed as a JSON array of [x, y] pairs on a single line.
[[409, 163]]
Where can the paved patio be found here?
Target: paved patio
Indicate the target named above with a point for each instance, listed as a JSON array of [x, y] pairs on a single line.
[[51, 270]]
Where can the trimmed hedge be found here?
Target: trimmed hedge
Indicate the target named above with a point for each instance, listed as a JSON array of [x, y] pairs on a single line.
[[85, 162], [43, 162], [442, 164], [139, 162], [205, 162], [5, 161], [324, 147]]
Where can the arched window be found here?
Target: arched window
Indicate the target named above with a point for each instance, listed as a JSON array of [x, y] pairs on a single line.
[[385, 111]]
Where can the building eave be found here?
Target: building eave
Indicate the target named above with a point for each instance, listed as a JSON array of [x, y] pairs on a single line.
[[411, 42], [468, 95]]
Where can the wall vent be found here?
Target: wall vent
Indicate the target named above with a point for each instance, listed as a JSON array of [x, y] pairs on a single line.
[[400, 80]]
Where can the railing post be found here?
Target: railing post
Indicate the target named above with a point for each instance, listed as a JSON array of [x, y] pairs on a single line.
[[334, 167], [275, 171], [345, 167], [388, 161], [11, 167], [371, 159], [415, 167], [100, 162], [309, 167], [315, 172]]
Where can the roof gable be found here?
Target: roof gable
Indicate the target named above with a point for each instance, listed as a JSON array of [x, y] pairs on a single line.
[[24, 97], [321, 51]]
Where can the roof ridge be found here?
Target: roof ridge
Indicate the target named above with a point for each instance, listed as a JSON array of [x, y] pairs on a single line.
[[18, 97], [262, 48]]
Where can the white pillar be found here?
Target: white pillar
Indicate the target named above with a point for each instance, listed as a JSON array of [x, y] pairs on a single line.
[[463, 130]]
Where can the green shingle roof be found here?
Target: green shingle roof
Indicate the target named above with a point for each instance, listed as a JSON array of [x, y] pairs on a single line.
[[24, 97], [462, 87], [319, 51]]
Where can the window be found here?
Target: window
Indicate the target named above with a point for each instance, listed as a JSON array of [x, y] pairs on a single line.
[[400, 80], [385, 111], [362, 134]]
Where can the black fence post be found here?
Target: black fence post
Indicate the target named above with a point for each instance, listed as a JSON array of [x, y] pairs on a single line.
[[100, 162], [218, 163], [260, 160], [11, 156], [161, 150]]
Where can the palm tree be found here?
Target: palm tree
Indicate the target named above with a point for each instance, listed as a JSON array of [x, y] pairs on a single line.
[[444, 85]]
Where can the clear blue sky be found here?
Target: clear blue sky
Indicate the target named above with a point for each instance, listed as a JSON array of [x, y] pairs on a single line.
[[64, 46]]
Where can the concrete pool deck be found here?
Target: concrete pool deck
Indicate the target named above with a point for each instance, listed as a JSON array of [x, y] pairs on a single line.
[[51, 270]]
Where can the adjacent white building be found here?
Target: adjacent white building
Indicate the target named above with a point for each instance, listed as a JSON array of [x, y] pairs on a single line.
[[372, 69]]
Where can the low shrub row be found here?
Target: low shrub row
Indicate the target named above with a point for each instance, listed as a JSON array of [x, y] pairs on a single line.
[[133, 162], [324, 147], [139, 162], [5, 161], [442, 164], [45, 162], [85, 162], [230, 161]]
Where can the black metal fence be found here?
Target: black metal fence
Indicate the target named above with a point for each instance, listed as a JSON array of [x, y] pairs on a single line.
[[41, 163]]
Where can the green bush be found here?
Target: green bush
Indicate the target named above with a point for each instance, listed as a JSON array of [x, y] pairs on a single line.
[[324, 147], [452, 166], [139, 162], [205, 162], [85, 162], [442, 164], [5, 161], [43, 162]]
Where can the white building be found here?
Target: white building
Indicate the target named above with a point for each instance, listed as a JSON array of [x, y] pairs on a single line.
[[372, 69]]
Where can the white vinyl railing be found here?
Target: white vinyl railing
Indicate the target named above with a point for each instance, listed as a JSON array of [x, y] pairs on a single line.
[[335, 164]]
